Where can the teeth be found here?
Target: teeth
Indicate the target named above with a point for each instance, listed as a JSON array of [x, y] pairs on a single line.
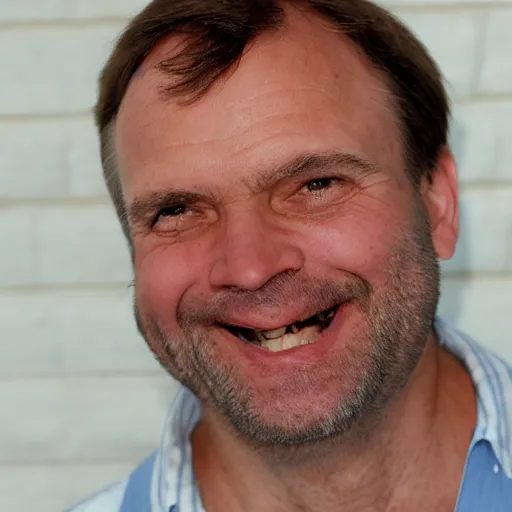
[[307, 336], [275, 333], [293, 335], [260, 337]]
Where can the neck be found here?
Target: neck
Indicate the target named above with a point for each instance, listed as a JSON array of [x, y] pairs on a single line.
[[422, 437]]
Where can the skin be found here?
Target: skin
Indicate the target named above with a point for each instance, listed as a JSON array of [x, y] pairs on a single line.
[[249, 229]]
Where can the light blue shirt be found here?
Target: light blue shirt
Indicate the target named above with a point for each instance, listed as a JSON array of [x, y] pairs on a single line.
[[487, 481]]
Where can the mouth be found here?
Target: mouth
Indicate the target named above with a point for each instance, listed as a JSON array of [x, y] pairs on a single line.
[[304, 332]]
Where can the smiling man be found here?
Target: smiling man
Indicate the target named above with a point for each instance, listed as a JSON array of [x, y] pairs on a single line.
[[282, 174]]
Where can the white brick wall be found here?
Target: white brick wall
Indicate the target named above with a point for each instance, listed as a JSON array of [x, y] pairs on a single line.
[[82, 398]]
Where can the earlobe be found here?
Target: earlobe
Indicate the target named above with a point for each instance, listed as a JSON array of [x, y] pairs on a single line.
[[441, 198]]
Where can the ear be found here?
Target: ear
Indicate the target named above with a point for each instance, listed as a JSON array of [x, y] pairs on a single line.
[[441, 199]]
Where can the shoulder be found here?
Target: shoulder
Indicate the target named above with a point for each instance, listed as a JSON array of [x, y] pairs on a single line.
[[492, 380], [106, 500], [491, 374]]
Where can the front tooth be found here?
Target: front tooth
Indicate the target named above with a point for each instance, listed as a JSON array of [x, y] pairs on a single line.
[[290, 341], [274, 334], [273, 345]]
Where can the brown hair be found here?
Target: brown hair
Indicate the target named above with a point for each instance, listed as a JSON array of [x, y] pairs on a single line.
[[216, 34]]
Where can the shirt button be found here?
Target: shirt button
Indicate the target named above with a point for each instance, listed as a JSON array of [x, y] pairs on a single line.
[[496, 469]]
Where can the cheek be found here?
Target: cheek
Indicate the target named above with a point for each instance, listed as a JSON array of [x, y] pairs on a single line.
[[162, 275], [361, 242]]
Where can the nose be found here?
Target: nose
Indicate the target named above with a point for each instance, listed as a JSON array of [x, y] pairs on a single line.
[[251, 251]]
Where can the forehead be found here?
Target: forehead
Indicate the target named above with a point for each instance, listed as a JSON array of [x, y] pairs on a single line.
[[303, 87]]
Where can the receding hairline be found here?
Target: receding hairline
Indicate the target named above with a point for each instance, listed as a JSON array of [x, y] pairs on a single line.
[[171, 44]]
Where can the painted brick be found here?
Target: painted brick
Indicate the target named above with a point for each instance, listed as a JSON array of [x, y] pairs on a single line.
[[91, 420], [82, 245], [486, 232], [18, 257], [62, 245], [79, 412], [393, 4], [63, 159], [54, 488], [85, 244], [496, 74], [481, 308], [480, 138], [67, 61], [83, 160], [38, 172], [34, 10], [52, 69], [453, 39], [68, 333], [66, 152]]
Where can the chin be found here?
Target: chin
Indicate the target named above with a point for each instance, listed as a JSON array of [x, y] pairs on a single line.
[[310, 408]]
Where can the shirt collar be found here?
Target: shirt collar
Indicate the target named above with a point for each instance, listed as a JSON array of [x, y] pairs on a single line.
[[173, 478], [492, 379]]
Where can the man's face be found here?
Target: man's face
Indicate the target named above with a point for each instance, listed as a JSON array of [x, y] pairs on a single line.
[[278, 203]]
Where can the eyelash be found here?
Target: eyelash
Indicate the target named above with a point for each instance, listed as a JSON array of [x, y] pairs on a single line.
[[330, 181], [168, 211]]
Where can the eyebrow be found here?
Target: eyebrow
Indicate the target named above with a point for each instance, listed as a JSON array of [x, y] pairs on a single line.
[[305, 164], [302, 165]]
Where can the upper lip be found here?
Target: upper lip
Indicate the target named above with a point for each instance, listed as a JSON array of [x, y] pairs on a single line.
[[244, 322]]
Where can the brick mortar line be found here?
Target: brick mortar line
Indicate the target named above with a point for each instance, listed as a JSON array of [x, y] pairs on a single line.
[[82, 289], [484, 97], [63, 23], [73, 203], [82, 115], [70, 202], [69, 464], [459, 275], [433, 8], [87, 115], [86, 289], [85, 376], [104, 200], [471, 186]]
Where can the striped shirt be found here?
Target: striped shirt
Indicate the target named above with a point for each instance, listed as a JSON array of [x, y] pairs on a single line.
[[488, 468]]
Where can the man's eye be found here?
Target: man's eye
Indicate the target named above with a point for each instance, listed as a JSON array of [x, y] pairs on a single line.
[[319, 184], [171, 213]]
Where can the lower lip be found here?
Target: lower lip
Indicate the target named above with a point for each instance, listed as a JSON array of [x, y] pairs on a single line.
[[301, 353]]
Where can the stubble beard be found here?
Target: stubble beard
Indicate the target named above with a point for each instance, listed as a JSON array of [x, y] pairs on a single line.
[[380, 358]]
